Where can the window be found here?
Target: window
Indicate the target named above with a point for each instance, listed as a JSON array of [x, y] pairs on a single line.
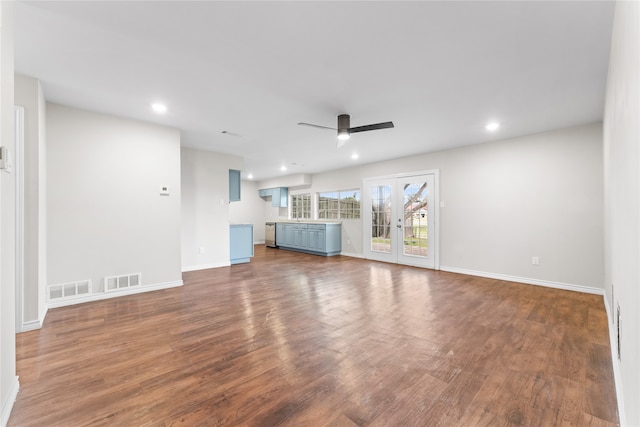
[[328, 205], [350, 204], [301, 205], [339, 204]]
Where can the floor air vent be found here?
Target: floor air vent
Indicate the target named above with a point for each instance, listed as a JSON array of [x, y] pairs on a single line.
[[71, 290], [119, 283]]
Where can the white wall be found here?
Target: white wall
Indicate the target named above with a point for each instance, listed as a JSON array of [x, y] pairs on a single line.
[[249, 210], [106, 216], [8, 379], [273, 213], [506, 201], [205, 208], [28, 94], [622, 203]]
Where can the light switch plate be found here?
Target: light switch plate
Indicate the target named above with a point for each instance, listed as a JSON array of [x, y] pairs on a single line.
[[4, 154]]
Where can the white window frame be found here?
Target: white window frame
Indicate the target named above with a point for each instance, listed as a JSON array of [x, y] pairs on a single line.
[[293, 201], [340, 195]]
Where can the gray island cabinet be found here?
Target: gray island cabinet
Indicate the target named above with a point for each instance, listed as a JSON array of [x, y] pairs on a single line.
[[310, 237]]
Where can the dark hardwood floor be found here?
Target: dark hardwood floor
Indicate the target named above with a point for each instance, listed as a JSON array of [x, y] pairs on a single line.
[[301, 340]]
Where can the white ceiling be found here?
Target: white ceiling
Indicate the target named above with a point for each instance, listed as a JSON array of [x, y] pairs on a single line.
[[439, 70]]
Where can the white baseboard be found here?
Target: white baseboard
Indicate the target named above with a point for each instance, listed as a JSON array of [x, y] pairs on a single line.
[[617, 376], [32, 325], [205, 266], [43, 314], [352, 254], [527, 280], [7, 405], [108, 295], [258, 242]]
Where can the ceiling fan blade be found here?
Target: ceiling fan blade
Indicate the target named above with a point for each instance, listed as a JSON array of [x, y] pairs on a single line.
[[315, 126], [341, 143], [385, 125]]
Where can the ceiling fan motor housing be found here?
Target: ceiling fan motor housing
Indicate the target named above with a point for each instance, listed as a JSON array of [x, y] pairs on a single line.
[[344, 122]]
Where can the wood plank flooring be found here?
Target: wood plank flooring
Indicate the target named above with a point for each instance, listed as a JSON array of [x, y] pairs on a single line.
[[301, 340]]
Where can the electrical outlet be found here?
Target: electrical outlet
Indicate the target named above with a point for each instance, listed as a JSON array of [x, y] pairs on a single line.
[[201, 250], [535, 260]]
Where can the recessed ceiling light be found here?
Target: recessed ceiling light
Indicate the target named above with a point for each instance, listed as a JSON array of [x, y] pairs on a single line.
[[250, 176], [492, 126], [355, 156], [159, 108], [283, 168]]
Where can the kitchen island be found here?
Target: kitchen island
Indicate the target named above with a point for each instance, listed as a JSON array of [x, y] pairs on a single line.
[[241, 243], [313, 237]]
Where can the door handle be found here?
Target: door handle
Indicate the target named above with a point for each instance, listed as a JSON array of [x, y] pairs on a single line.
[[399, 225]]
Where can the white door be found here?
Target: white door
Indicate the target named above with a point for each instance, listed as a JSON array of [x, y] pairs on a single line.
[[400, 226]]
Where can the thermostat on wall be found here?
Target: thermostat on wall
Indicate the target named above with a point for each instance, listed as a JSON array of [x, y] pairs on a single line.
[[164, 191], [5, 161]]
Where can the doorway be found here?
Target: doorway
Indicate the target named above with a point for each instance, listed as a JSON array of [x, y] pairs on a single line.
[[19, 237], [401, 225]]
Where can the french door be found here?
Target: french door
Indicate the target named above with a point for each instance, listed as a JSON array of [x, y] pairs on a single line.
[[400, 219]]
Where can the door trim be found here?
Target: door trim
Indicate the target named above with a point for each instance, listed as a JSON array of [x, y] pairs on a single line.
[[19, 210], [436, 201]]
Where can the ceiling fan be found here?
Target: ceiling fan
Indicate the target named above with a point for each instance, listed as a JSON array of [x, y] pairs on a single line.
[[345, 130]]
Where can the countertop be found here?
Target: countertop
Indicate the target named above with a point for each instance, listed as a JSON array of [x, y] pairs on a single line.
[[306, 221]]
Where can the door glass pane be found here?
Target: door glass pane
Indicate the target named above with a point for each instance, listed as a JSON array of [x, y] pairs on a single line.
[[381, 218], [415, 219]]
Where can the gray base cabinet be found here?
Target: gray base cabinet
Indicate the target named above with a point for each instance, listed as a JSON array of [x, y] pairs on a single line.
[[319, 239]]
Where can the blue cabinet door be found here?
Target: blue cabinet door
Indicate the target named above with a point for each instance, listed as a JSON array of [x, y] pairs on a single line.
[[284, 234], [333, 239], [275, 197], [279, 196], [234, 185], [320, 242], [284, 197], [279, 234]]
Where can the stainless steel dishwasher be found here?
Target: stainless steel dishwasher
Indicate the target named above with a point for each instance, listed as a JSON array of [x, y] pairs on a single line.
[[270, 234]]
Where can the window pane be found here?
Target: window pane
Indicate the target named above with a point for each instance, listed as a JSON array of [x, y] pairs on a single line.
[[328, 205], [350, 204], [301, 205], [415, 219], [380, 233], [339, 204]]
